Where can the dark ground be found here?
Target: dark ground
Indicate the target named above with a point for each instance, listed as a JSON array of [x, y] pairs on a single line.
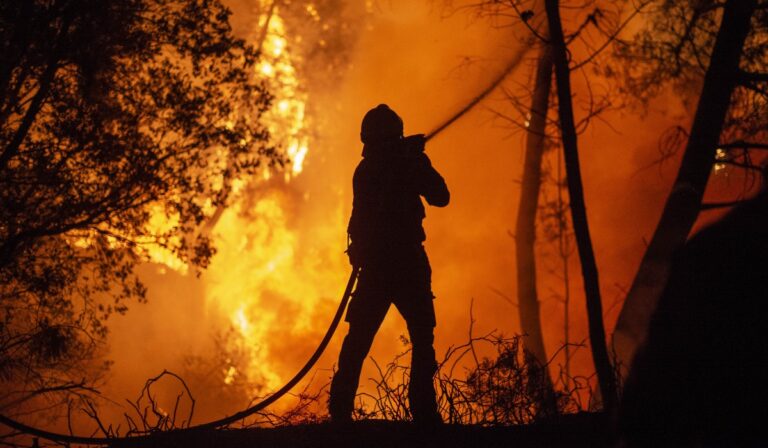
[[579, 430]]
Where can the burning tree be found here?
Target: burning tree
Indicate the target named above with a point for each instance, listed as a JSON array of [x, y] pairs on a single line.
[[122, 124], [268, 258]]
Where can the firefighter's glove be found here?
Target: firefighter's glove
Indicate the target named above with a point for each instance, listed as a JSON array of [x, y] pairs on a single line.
[[355, 257], [415, 143]]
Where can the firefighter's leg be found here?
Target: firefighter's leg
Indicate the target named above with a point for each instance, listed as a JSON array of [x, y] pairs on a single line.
[[364, 316], [421, 391], [414, 301], [419, 314]]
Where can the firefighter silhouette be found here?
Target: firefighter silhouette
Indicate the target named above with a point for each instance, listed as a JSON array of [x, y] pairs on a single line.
[[386, 243]]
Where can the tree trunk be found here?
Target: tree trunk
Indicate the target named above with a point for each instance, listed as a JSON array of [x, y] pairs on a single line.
[[603, 368], [525, 230], [684, 201]]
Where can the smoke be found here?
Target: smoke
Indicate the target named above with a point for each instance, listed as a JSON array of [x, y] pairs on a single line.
[[280, 269]]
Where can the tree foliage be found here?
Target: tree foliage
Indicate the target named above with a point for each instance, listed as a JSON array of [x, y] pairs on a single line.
[[674, 49], [117, 122]]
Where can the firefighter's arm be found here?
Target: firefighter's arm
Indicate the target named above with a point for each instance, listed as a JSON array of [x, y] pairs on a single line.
[[361, 207], [430, 183]]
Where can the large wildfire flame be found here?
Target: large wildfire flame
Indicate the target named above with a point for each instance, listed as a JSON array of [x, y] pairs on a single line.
[[287, 119], [260, 280]]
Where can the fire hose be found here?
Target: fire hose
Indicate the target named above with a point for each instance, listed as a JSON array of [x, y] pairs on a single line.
[[69, 438]]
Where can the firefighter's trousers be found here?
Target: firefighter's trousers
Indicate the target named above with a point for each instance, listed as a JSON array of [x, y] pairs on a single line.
[[406, 284]]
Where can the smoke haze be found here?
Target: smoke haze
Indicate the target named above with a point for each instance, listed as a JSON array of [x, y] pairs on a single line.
[[280, 268]]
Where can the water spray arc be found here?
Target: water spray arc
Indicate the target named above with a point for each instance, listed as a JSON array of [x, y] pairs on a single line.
[[68, 438]]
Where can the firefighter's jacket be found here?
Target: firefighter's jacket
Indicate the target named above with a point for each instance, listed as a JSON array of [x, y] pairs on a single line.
[[387, 210]]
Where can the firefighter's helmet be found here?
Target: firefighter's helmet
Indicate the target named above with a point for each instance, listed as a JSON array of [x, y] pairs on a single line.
[[380, 124]]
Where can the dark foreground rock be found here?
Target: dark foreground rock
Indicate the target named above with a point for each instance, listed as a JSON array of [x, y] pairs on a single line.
[[580, 430], [700, 379]]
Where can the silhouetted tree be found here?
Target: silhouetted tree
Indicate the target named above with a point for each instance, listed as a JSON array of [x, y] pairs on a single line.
[[722, 47], [525, 227], [117, 119], [534, 125], [596, 25], [603, 367]]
